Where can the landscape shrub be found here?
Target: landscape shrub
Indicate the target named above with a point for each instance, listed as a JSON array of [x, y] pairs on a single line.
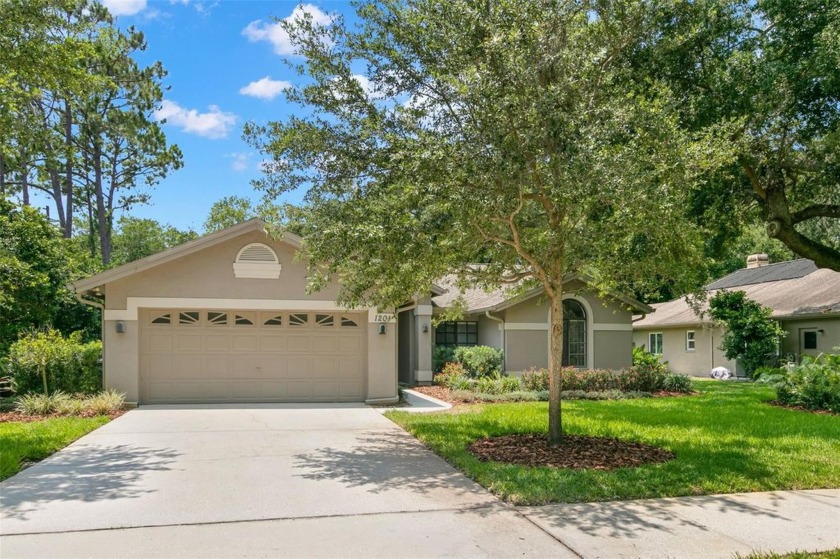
[[542, 395], [644, 377], [450, 372], [63, 404], [677, 383], [462, 383], [813, 384], [501, 385], [480, 361], [441, 356], [535, 380], [68, 364]]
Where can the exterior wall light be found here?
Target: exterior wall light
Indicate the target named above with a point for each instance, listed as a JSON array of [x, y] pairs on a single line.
[[425, 328], [120, 327], [383, 328]]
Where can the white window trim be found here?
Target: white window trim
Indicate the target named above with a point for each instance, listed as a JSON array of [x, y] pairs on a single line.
[[693, 340], [650, 342]]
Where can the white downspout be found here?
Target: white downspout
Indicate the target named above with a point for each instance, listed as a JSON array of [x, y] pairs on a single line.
[[501, 322]]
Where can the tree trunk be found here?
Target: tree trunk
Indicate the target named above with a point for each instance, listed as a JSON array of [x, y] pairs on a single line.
[[24, 184], [555, 364], [101, 217], [68, 170], [55, 186], [2, 176]]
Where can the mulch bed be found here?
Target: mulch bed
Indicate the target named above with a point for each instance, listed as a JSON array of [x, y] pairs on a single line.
[[6, 417], [576, 452]]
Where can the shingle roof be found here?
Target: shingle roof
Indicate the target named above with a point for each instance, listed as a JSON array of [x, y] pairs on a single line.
[[814, 293], [773, 272], [477, 299]]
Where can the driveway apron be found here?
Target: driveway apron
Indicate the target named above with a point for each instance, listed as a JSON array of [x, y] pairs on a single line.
[[258, 480]]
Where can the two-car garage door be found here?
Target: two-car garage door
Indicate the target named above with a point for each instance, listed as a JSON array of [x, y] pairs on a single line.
[[220, 355]]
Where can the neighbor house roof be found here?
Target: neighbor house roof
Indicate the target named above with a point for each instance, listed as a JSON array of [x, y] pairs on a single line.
[[179, 251], [478, 300], [795, 289], [791, 269]]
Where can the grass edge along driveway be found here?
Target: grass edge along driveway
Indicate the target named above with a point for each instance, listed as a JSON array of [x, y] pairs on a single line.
[[727, 439], [25, 442]]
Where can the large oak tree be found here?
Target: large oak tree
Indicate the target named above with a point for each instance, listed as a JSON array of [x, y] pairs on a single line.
[[439, 133]]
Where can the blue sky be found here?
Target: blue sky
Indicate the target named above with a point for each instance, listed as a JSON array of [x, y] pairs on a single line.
[[225, 64]]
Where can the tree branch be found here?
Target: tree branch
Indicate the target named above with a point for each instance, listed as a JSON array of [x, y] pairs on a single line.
[[816, 210]]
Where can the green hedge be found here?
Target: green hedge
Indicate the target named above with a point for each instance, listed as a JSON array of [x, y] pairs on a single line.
[[480, 361], [813, 384], [70, 365]]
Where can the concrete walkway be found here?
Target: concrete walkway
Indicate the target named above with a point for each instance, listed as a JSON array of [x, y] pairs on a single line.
[[696, 527], [343, 481]]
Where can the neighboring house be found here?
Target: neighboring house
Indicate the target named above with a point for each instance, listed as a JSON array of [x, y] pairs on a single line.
[[226, 318], [597, 332], [804, 299]]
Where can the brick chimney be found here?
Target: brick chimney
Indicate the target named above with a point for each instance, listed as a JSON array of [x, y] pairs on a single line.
[[757, 260]]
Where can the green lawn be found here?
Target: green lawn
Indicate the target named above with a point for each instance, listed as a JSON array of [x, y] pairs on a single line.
[[30, 442], [726, 440]]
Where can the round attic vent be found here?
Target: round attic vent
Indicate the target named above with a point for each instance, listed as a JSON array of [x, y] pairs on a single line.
[[256, 252], [256, 261]]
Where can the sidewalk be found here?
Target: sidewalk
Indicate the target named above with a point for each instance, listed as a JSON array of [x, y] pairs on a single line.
[[696, 527]]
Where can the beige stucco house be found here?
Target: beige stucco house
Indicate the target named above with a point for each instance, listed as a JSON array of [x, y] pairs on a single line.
[[803, 298], [226, 318], [598, 331]]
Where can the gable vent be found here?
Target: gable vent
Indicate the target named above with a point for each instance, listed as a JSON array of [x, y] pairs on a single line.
[[256, 261]]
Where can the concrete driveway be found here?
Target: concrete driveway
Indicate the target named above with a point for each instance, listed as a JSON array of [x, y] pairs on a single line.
[[259, 480]]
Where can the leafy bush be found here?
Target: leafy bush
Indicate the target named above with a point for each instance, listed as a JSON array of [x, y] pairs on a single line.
[[501, 385], [644, 358], [63, 364], [450, 372], [462, 383], [542, 395], [751, 334], [638, 378], [63, 404], [104, 402], [480, 361], [441, 356], [535, 380], [677, 383], [814, 384]]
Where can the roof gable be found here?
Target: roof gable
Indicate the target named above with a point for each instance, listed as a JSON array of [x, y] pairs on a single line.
[[177, 252]]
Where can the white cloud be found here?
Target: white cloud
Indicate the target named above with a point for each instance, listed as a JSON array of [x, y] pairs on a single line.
[[215, 123], [124, 7], [265, 88], [240, 161], [276, 35]]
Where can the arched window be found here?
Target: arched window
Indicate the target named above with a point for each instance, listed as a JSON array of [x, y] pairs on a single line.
[[256, 260], [574, 334]]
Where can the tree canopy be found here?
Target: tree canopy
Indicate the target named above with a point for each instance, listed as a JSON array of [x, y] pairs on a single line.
[[767, 72], [438, 134]]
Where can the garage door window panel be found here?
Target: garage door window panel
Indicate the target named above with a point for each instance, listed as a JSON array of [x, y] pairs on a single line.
[[272, 320], [348, 323], [215, 318], [244, 320], [298, 319], [188, 318], [325, 320], [162, 319]]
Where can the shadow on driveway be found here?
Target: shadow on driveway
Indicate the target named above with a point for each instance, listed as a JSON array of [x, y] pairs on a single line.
[[83, 474], [385, 461]]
